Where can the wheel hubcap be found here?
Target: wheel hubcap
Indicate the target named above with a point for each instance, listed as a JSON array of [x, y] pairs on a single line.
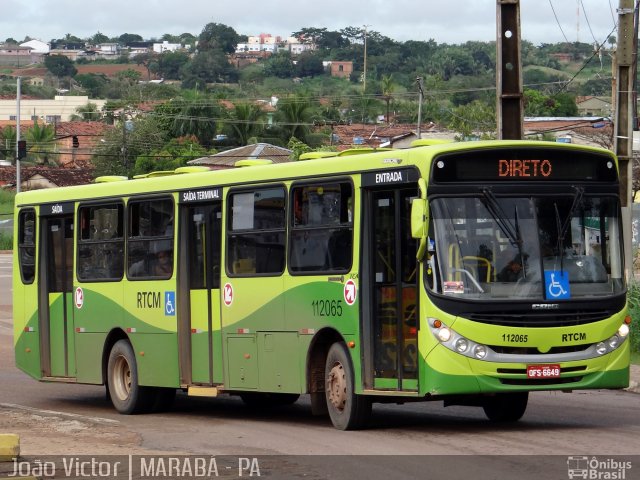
[[337, 387], [122, 378]]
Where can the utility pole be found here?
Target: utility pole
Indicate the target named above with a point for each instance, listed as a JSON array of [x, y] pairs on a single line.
[[509, 111], [18, 94], [364, 75], [419, 81], [623, 133]]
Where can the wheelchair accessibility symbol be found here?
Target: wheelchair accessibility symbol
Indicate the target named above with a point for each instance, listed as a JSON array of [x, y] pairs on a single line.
[[169, 303], [556, 284]]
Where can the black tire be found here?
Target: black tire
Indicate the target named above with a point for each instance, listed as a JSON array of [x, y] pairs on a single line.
[[127, 396], [260, 399], [347, 410], [506, 407]]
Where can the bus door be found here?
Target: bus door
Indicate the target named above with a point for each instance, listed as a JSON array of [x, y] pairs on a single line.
[[199, 287], [391, 277], [55, 295]]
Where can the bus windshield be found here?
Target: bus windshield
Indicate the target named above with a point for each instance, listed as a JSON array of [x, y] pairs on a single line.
[[558, 247]]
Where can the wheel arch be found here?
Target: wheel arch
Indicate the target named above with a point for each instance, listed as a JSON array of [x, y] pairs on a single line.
[[115, 335], [316, 358]]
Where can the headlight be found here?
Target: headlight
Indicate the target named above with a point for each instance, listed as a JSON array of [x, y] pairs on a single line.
[[601, 348], [462, 345], [457, 343], [480, 351], [444, 334], [623, 331], [614, 341]]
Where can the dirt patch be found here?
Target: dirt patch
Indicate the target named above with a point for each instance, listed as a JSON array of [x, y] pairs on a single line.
[[56, 433]]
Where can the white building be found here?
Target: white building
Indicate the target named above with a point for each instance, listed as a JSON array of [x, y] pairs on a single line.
[[59, 109], [38, 46], [166, 47]]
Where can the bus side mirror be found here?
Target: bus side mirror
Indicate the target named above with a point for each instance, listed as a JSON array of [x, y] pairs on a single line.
[[419, 219]]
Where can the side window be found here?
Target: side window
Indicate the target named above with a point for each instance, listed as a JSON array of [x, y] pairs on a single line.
[[100, 243], [256, 233], [321, 238], [27, 245], [150, 239]]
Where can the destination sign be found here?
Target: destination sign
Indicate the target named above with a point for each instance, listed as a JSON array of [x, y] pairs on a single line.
[[62, 208], [523, 164], [390, 177], [200, 195]]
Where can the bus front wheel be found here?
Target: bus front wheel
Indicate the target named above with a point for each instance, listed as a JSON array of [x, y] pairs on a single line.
[[127, 396], [506, 407], [347, 410]]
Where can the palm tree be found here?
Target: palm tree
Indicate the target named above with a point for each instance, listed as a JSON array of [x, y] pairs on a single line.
[[388, 86], [246, 121], [294, 115], [199, 118], [86, 113], [40, 138], [8, 142]]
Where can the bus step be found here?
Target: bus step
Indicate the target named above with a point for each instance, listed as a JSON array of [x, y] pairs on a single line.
[[196, 391]]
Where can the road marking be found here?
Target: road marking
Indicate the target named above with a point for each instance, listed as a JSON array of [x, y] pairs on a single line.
[[104, 421]]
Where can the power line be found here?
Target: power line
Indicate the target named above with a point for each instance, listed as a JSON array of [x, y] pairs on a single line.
[[558, 22], [587, 19]]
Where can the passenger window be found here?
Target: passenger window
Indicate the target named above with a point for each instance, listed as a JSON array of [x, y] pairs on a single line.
[[321, 239], [150, 239], [100, 243], [27, 245], [256, 237]]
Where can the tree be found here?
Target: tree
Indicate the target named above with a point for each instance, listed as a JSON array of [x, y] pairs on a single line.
[[86, 113], [175, 153], [210, 66], [170, 64], [11, 41], [149, 60], [128, 38], [476, 119], [217, 36], [60, 66], [99, 38], [388, 87], [8, 142], [121, 144], [40, 139], [92, 83], [129, 75], [246, 121], [279, 65], [309, 65], [294, 116], [198, 118]]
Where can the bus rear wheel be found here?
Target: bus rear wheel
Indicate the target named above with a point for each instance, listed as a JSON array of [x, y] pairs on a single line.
[[506, 407], [127, 396], [347, 410]]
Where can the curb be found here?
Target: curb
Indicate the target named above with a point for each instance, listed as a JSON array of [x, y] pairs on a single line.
[[9, 446]]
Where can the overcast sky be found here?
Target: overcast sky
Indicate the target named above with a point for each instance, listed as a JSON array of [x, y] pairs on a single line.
[[445, 21]]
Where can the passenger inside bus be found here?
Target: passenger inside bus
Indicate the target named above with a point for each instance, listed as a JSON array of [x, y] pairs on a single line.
[[158, 264]]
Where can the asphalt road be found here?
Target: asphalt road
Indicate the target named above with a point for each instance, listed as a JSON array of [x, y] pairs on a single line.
[[62, 419]]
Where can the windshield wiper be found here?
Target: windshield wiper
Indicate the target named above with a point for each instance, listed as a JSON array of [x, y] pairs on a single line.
[[511, 231], [493, 206], [563, 227]]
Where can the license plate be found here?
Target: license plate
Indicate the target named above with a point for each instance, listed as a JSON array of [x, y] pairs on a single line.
[[543, 371]]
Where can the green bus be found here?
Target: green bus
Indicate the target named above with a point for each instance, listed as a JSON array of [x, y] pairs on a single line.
[[471, 273]]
